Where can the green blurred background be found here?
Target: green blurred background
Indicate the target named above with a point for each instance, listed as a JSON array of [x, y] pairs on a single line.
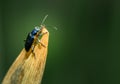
[[84, 50]]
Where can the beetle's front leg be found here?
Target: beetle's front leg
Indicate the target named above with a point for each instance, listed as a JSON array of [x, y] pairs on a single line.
[[41, 43], [39, 39], [41, 34]]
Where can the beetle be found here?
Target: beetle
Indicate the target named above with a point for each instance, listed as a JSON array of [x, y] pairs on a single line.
[[30, 38], [35, 33]]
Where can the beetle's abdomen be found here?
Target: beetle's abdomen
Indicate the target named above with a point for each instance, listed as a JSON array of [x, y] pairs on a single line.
[[28, 42]]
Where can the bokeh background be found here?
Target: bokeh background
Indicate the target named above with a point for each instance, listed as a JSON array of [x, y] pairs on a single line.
[[84, 50]]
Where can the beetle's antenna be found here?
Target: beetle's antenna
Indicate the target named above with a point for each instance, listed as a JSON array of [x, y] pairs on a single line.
[[44, 19], [49, 25], [54, 27]]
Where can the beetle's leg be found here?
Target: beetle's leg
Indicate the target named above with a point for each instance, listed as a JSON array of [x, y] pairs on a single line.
[[41, 43], [33, 50], [39, 39], [45, 33], [42, 34]]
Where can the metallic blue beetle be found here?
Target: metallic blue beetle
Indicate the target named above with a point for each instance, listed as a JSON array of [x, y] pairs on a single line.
[[30, 38]]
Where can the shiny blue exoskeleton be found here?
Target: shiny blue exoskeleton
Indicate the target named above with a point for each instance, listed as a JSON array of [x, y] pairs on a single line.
[[30, 38]]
